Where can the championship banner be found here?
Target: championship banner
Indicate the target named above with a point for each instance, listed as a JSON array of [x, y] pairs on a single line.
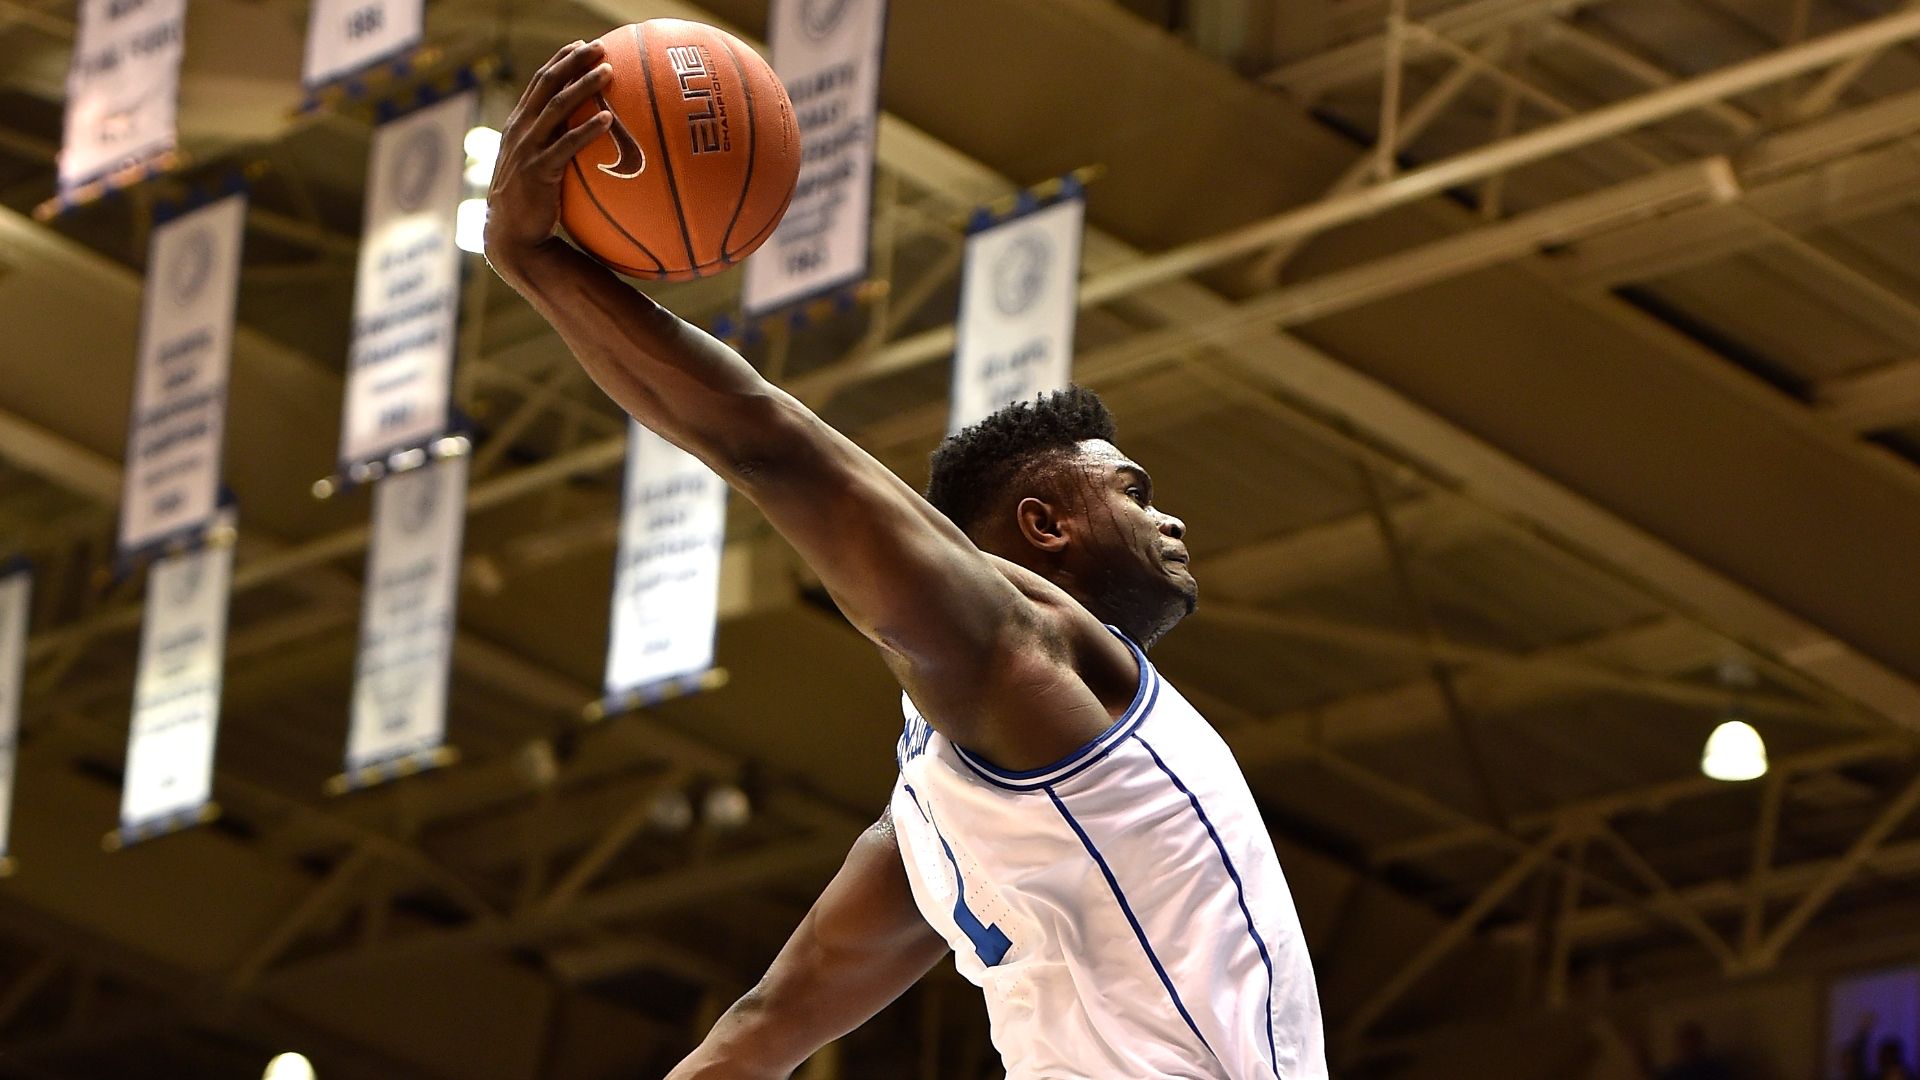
[[16, 594], [406, 619], [180, 390], [406, 291], [176, 693], [666, 584], [123, 87], [1019, 294], [828, 53], [345, 36]]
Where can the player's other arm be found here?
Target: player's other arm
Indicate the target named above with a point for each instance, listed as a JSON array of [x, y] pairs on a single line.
[[947, 619], [861, 946]]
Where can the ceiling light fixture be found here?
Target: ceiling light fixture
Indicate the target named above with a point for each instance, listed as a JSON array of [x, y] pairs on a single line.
[[470, 225], [289, 1066], [1734, 751]]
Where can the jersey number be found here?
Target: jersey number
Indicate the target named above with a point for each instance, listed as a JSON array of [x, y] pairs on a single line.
[[989, 941]]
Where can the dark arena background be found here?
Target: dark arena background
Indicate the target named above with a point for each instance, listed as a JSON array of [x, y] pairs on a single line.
[[1539, 381]]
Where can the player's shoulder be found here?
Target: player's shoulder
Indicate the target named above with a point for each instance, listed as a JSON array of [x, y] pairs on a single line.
[[1067, 631]]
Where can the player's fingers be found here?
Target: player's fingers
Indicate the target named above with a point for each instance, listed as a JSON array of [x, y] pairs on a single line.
[[552, 79], [520, 112], [553, 117], [553, 160], [558, 76]]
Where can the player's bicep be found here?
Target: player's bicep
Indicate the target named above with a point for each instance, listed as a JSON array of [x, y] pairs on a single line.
[[907, 577]]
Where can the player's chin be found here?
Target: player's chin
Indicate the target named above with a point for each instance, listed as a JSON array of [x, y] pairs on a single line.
[[1190, 593], [1182, 583]]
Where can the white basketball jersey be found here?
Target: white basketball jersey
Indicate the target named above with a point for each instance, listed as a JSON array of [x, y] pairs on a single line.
[[1122, 909]]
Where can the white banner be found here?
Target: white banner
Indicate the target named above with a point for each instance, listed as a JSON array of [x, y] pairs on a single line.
[[827, 52], [180, 388], [344, 36], [123, 86], [407, 290], [406, 614], [16, 595], [176, 690], [1019, 293], [666, 584]]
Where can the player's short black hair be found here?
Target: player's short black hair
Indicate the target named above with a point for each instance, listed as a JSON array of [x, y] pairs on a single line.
[[971, 469]]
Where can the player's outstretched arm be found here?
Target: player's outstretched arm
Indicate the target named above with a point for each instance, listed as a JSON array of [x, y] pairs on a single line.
[[861, 946], [950, 623]]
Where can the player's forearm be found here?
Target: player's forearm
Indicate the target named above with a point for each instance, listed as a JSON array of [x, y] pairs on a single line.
[[666, 373], [741, 1046]]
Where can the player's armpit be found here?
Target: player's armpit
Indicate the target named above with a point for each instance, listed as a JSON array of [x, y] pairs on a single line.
[[860, 947]]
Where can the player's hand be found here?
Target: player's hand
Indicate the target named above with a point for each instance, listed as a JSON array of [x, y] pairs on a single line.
[[523, 201]]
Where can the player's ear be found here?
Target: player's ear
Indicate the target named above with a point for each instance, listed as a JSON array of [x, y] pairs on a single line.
[[1040, 524]]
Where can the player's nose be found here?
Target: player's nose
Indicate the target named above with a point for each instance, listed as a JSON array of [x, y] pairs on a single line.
[[1173, 526]]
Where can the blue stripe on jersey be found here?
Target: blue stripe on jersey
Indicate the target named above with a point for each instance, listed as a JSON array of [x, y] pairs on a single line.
[[1239, 891], [1144, 696], [1127, 910]]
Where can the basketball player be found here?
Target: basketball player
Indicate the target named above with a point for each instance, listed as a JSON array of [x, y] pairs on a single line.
[[1064, 821]]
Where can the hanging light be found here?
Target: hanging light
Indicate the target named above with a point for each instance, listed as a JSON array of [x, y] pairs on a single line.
[[1734, 751], [470, 225], [671, 811], [726, 807], [289, 1066], [482, 145]]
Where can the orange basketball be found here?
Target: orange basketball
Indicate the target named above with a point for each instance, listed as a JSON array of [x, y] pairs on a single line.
[[700, 161]]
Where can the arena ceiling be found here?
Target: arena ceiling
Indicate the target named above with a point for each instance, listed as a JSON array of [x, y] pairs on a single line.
[[1520, 429]]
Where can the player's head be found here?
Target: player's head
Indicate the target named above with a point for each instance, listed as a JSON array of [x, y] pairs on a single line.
[[1042, 484]]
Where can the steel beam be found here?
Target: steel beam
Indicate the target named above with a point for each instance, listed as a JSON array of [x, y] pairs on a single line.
[[1433, 179], [1455, 932], [1662, 897], [1781, 185], [1837, 875], [1655, 797], [1552, 664], [1559, 31], [593, 911], [1599, 923], [1882, 397], [1306, 80], [1825, 93]]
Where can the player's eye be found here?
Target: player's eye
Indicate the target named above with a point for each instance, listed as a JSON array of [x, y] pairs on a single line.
[[1137, 494]]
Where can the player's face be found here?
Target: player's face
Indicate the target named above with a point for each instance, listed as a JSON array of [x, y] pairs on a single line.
[[1132, 557]]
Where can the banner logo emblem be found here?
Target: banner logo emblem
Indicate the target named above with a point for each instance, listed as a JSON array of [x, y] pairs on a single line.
[[632, 160], [186, 583], [1020, 273], [416, 168], [820, 18], [191, 266], [417, 511]]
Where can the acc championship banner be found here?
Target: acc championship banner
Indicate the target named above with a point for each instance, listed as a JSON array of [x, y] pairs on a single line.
[[406, 617], [122, 88], [1019, 293], [344, 36], [180, 390], [827, 52], [16, 592], [405, 296], [666, 586], [176, 691]]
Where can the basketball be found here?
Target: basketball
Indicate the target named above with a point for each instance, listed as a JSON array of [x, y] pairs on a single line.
[[699, 162]]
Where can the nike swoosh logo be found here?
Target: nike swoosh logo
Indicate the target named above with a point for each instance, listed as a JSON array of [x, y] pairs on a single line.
[[633, 160]]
